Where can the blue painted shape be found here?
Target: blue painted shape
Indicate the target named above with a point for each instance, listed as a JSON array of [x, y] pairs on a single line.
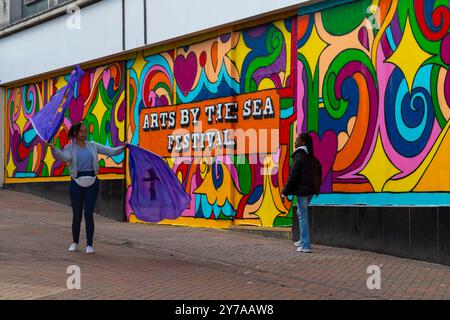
[[384, 199]]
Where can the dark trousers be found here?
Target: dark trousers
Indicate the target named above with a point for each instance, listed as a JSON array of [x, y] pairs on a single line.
[[83, 198]]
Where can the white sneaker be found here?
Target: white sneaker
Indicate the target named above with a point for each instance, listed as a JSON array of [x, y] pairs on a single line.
[[73, 247], [298, 244], [300, 249], [89, 250]]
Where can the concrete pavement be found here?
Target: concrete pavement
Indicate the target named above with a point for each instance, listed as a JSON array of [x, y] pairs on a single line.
[[135, 261]]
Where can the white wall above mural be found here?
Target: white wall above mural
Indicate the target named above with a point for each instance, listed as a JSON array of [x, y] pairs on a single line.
[[109, 27], [61, 42], [174, 18]]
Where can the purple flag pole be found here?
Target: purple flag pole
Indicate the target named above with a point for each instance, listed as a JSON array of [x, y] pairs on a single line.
[[157, 193], [47, 121]]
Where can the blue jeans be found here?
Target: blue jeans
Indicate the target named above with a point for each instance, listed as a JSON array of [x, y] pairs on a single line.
[[302, 203], [83, 198]]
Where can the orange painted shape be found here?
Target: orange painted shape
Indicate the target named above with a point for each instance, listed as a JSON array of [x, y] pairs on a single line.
[[352, 187], [355, 143], [215, 55]]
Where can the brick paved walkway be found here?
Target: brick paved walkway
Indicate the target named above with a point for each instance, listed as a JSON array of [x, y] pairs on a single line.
[[163, 262]]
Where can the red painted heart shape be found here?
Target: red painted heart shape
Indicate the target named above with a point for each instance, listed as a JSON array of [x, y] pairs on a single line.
[[185, 72]]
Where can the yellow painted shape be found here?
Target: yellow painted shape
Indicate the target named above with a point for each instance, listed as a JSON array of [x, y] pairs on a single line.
[[139, 64], [379, 169], [288, 39], [408, 183], [60, 83], [266, 83], [111, 176], [268, 210], [189, 222], [312, 49], [49, 160], [10, 167], [437, 175], [226, 191], [99, 110], [239, 53], [409, 56], [21, 120], [248, 222]]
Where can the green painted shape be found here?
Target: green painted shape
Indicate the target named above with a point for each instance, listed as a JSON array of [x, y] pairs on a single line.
[[66, 171], [274, 44], [343, 19], [286, 103], [45, 171], [337, 107], [312, 88], [244, 173], [30, 163], [223, 217]]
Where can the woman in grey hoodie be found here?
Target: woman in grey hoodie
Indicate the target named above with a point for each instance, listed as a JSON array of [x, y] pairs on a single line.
[[82, 157]]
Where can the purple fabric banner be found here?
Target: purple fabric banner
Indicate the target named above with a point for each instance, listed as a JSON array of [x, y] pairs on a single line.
[[47, 121], [157, 193]]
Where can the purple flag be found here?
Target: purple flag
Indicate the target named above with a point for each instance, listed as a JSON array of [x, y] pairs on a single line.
[[157, 193], [48, 120]]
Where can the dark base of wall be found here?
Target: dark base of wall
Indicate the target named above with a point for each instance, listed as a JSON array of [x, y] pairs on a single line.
[[110, 202], [414, 233]]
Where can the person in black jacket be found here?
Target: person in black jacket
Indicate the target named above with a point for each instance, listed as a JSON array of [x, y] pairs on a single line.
[[300, 184]]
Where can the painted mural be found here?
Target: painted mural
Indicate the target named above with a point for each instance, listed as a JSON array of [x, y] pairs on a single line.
[[374, 89], [235, 66], [100, 101]]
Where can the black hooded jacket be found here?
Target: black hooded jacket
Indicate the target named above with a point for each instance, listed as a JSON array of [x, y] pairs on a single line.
[[300, 181]]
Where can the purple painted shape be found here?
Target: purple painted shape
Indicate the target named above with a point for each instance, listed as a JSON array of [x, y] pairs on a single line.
[[363, 37], [327, 183], [447, 88], [256, 32], [121, 112], [395, 29], [225, 37], [445, 49], [278, 65], [387, 50], [445, 54]]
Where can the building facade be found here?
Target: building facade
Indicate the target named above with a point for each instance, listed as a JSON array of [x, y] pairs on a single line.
[[368, 79]]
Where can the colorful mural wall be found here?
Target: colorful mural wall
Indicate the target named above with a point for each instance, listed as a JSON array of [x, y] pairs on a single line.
[[100, 101], [257, 62], [374, 88], [369, 80]]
